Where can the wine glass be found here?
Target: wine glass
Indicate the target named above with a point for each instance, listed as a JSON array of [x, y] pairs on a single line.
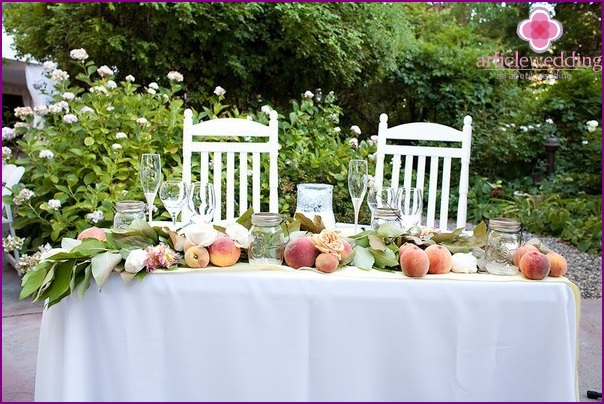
[[172, 195], [410, 204], [381, 198], [357, 186], [150, 175], [202, 201]]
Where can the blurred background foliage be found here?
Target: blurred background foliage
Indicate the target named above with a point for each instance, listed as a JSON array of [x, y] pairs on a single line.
[[414, 61]]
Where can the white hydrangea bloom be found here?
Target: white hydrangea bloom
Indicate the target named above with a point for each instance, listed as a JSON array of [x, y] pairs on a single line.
[[41, 110], [59, 75], [176, 76], [337, 129], [23, 112], [549, 121], [54, 204], [49, 66], [151, 91], [46, 154], [266, 109], [130, 78], [70, 118], [219, 91], [354, 142], [141, 121], [6, 152], [121, 135], [58, 107], [355, 129], [112, 85], [78, 54], [308, 94], [153, 85], [96, 216], [8, 133], [104, 71], [592, 125], [85, 110], [99, 89], [23, 196], [68, 96], [116, 146]]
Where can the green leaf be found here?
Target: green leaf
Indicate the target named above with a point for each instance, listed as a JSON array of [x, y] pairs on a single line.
[[60, 283], [88, 247], [32, 280], [85, 282], [89, 141], [363, 258], [386, 258], [246, 218], [376, 242], [389, 230], [102, 265]]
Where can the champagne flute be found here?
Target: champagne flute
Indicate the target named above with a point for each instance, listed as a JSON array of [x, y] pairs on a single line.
[[172, 195], [357, 186], [202, 202], [150, 176]]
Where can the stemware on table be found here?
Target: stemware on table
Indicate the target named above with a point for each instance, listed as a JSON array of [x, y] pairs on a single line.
[[202, 202], [173, 195], [381, 198], [150, 176], [357, 186], [410, 204]]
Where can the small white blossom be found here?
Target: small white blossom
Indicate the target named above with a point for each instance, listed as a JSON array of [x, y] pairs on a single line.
[[308, 94], [109, 108], [59, 75], [239, 234], [104, 71], [354, 142], [219, 91], [41, 110], [355, 129], [141, 121], [58, 107], [46, 154], [550, 121], [10, 243], [68, 96], [531, 127], [78, 54], [96, 216], [337, 129], [6, 152], [99, 89], [70, 118], [334, 117], [524, 128], [584, 142], [85, 110], [21, 125], [112, 85], [374, 139], [116, 146], [153, 85], [135, 261], [176, 76], [592, 125], [121, 135], [49, 66], [151, 91], [372, 157], [54, 204], [266, 109], [8, 133], [23, 196], [503, 129], [130, 78], [23, 112]]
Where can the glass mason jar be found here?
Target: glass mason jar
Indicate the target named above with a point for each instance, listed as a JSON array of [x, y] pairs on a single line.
[[127, 212], [504, 237], [267, 241], [386, 215]]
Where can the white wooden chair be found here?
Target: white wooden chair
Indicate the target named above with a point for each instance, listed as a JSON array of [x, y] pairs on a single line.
[[402, 141], [11, 175], [233, 137]]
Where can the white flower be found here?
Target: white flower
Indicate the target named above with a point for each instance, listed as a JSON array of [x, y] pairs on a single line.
[[112, 85], [116, 146], [503, 129], [372, 157], [337, 129], [130, 78], [219, 91], [121, 135], [46, 154], [550, 121], [96, 216], [353, 142], [592, 125], [355, 129], [78, 54], [68, 96], [58, 107], [41, 110], [54, 204], [266, 109], [584, 142], [23, 112], [99, 89], [308, 94], [201, 234], [23, 196], [86, 110], [464, 263], [151, 91], [8, 133], [153, 85], [135, 261], [21, 125], [110, 108], [6, 152], [141, 121], [524, 128], [49, 66], [59, 75], [531, 127], [374, 139], [70, 118], [239, 234], [104, 71], [176, 76]]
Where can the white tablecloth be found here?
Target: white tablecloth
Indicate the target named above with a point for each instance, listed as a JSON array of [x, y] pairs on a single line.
[[252, 335]]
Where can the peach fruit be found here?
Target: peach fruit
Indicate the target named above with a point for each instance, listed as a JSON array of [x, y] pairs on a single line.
[[558, 264], [223, 252], [197, 257], [93, 232], [441, 260], [534, 265], [347, 254], [521, 251], [404, 247], [327, 262], [414, 262], [300, 252]]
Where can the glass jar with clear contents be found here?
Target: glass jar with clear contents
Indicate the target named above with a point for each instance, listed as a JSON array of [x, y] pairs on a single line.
[[504, 237], [267, 240], [127, 212], [386, 215]]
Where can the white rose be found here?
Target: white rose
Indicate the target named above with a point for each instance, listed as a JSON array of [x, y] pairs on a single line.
[[135, 261], [464, 263], [239, 234], [201, 234]]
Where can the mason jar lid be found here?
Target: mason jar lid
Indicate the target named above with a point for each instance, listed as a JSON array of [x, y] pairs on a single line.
[[504, 224], [386, 213], [130, 206], [266, 219]]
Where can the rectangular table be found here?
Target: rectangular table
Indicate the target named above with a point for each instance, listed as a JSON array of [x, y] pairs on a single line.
[[245, 334]]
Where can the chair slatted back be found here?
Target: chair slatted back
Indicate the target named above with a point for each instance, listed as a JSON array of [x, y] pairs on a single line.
[[428, 163], [226, 158]]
